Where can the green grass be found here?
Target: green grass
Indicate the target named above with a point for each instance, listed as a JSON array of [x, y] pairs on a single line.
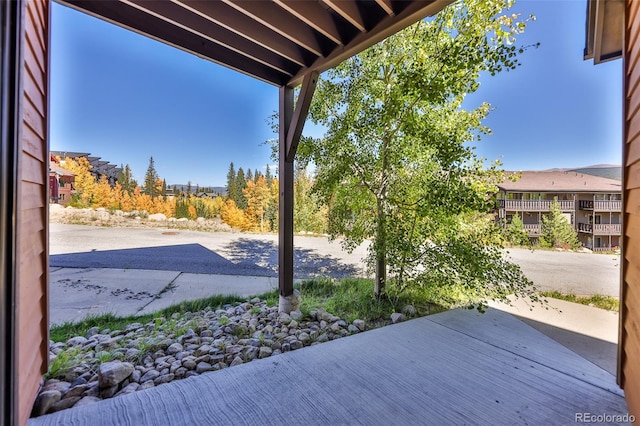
[[602, 302], [63, 332], [349, 299], [352, 298]]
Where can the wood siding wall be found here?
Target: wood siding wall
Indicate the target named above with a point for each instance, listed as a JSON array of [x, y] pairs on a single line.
[[629, 360], [32, 218]]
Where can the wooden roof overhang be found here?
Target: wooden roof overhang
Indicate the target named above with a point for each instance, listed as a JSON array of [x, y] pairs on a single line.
[[276, 41], [286, 43]]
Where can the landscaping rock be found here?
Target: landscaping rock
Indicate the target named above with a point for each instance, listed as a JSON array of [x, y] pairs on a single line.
[[87, 400], [65, 403], [114, 372], [203, 367], [150, 375], [44, 402], [213, 340], [397, 317]]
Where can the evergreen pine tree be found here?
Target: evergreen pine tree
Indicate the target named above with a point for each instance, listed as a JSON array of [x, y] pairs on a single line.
[[556, 230], [150, 180], [249, 175], [268, 176], [241, 184], [125, 179], [231, 183], [516, 234]]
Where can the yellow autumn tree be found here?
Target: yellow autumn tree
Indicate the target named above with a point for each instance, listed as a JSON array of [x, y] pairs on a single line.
[[234, 216], [142, 201], [166, 207], [192, 212], [116, 197], [84, 182], [258, 196], [102, 193], [217, 205], [126, 204]]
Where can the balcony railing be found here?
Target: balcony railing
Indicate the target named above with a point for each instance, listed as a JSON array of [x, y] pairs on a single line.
[[606, 248], [608, 206], [535, 205], [600, 229], [533, 230], [585, 227], [607, 229], [601, 205]]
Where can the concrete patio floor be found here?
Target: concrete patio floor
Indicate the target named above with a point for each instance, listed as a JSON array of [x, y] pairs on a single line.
[[458, 367]]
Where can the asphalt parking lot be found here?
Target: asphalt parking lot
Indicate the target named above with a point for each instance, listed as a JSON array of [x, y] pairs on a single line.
[[232, 253]]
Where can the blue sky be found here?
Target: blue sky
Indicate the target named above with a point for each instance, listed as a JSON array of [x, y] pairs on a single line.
[[125, 97]]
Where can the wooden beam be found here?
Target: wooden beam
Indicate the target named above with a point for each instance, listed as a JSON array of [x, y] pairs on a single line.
[[388, 26], [348, 10], [275, 18], [196, 24], [285, 207], [300, 114], [314, 15], [386, 6]]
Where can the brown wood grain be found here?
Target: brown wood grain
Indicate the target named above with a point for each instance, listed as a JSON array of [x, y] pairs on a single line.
[[33, 145], [34, 118], [33, 93], [32, 171], [630, 305], [35, 37]]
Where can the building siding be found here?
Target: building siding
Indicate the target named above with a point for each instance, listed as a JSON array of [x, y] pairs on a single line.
[[629, 356], [32, 218]]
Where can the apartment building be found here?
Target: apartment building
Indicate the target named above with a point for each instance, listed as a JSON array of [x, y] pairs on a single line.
[[591, 204]]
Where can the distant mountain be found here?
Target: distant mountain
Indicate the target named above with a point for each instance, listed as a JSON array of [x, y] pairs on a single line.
[[609, 171], [220, 190]]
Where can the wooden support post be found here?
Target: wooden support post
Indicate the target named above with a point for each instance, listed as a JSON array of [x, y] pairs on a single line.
[[290, 130], [285, 205]]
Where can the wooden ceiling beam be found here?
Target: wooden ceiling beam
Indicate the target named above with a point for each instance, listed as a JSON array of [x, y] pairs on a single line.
[[314, 15], [388, 26], [213, 32], [350, 11], [386, 6], [282, 22], [233, 20]]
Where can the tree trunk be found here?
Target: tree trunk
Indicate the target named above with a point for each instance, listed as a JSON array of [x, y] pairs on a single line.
[[381, 258]]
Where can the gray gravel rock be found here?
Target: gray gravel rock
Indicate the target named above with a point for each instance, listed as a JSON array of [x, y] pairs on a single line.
[[203, 367], [114, 372], [65, 403], [397, 317], [155, 354], [265, 352], [87, 400], [44, 402], [150, 375]]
